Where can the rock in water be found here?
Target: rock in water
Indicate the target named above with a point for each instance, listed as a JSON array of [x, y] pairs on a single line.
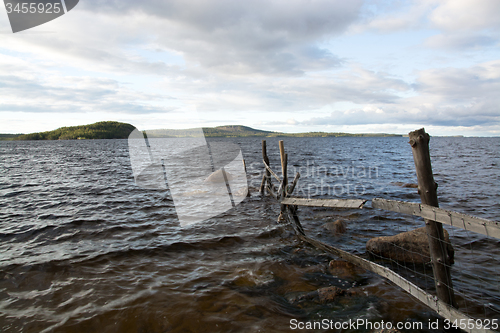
[[323, 295], [329, 294], [344, 269], [218, 177], [337, 227], [411, 247]]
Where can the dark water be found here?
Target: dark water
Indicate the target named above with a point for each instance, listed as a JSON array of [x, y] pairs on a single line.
[[83, 249]]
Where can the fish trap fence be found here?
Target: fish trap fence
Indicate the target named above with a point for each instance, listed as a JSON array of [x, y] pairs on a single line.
[[424, 262], [475, 273]]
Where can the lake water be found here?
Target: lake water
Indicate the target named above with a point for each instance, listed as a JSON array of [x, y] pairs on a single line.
[[84, 249]]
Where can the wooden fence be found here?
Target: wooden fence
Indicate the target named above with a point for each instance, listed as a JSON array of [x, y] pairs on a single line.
[[444, 303]]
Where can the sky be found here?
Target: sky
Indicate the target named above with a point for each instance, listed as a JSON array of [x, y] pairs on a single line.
[[291, 66]]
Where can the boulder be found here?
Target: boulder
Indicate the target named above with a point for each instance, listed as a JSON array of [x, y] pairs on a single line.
[[411, 247]]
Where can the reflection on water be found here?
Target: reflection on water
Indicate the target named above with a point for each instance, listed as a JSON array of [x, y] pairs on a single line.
[[83, 249]]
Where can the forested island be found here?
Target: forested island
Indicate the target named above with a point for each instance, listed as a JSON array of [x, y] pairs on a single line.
[[117, 130], [100, 130]]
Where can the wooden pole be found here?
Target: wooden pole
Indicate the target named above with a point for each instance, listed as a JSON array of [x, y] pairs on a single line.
[[283, 163], [245, 167], [285, 178], [419, 141], [268, 174]]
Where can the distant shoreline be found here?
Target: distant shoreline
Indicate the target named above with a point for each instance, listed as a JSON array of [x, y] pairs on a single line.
[[117, 130]]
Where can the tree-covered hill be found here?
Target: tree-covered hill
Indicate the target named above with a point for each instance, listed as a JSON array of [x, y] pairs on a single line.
[[245, 131], [100, 130]]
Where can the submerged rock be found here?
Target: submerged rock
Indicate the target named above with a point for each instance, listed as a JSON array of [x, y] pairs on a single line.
[[344, 269], [337, 227], [323, 295], [218, 177], [329, 294], [407, 185], [411, 247]]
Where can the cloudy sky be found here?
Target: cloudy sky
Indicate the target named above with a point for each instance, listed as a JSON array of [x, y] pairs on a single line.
[[295, 65]]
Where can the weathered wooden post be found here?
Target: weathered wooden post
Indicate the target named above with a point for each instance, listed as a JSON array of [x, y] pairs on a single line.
[[284, 181], [284, 161], [245, 167], [267, 175], [419, 141]]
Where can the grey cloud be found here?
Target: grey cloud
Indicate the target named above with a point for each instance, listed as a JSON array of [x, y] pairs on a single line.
[[298, 19], [243, 37]]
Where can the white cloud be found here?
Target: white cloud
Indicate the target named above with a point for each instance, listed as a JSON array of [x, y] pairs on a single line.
[[446, 97], [466, 15]]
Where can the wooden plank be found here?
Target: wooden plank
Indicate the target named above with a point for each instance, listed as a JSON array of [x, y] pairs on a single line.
[[431, 301], [333, 203], [455, 219]]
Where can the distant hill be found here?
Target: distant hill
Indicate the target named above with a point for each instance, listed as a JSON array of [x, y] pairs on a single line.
[[100, 130], [219, 131], [117, 130], [228, 131], [234, 130]]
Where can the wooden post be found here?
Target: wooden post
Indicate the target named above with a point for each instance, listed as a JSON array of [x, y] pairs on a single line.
[[282, 194], [283, 157], [419, 141], [267, 175], [245, 167]]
